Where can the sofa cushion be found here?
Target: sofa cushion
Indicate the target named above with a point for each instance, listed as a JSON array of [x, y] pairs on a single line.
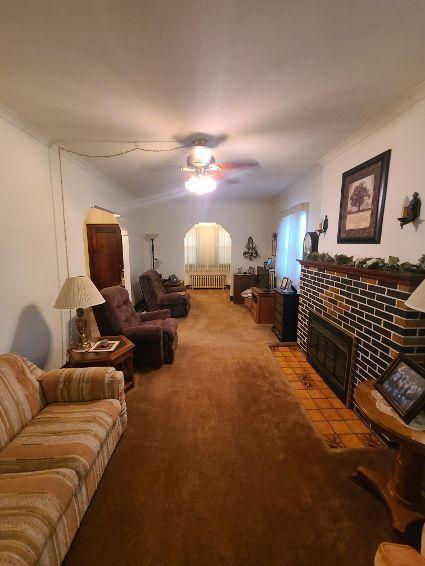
[[63, 435], [20, 395], [38, 516]]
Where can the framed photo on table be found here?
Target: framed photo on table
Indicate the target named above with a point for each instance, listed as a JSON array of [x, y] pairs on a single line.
[[403, 386], [362, 203]]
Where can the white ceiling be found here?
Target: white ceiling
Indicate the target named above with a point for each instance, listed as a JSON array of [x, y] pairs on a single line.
[[284, 80]]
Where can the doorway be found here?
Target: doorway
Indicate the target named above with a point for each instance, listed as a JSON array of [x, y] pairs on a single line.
[[106, 261]]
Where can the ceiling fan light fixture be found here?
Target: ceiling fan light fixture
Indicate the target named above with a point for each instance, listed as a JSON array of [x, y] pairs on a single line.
[[201, 156], [200, 184]]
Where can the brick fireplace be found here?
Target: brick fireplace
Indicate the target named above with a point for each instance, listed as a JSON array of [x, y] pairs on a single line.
[[367, 305]]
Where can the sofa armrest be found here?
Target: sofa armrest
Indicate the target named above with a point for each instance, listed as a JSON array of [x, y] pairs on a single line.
[[155, 315], [390, 554], [172, 299], [75, 385], [144, 333]]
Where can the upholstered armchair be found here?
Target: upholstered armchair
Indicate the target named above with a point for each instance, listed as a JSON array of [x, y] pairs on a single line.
[[157, 297], [153, 333]]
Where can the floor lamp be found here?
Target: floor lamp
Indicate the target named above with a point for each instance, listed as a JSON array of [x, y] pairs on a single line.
[[151, 238]]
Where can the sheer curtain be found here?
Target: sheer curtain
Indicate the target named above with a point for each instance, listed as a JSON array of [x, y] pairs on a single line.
[[290, 236], [207, 247]]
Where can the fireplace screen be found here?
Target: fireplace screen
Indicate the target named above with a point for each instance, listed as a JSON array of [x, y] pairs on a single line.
[[330, 351]]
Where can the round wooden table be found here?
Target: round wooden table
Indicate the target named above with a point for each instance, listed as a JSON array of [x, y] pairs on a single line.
[[400, 489]]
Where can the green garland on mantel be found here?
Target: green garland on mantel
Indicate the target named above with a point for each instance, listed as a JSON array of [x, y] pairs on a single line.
[[393, 263]]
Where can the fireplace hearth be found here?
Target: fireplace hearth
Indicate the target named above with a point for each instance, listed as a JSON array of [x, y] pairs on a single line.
[[331, 351], [368, 305]]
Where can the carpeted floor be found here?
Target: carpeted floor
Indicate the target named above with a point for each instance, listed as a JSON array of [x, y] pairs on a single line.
[[220, 466]]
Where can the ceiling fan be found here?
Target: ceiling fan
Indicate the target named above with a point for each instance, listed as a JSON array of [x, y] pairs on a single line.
[[204, 170]]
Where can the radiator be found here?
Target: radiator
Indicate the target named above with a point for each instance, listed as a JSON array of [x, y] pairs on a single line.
[[205, 281]]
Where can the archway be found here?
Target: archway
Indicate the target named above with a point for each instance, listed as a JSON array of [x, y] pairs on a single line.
[[207, 256]]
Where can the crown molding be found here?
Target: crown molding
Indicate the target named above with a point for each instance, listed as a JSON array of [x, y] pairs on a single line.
[[16, 120], [24, 126], [80, 162], [407, 101], [146, 202]]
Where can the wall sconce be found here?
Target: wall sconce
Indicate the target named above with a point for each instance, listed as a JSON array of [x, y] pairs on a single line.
[[410, 212], [323, 226]]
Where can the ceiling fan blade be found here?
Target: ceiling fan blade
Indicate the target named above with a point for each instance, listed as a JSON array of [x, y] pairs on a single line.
[[239, 164]]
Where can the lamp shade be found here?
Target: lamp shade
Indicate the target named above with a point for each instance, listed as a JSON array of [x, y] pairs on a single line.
[[149, 237], [416, 301], [78, 293]]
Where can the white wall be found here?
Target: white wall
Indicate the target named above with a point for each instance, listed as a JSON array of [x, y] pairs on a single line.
[[32, 252], [29, 281], [404, 135], [172, 220], [307, 189]]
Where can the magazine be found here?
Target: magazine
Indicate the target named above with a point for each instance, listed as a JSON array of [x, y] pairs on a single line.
[[109, 347]]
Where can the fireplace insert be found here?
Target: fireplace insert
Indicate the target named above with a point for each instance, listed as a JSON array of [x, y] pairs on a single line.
[[330, 350]]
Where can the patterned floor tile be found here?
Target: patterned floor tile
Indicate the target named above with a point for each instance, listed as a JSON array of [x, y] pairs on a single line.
[[357, 426], [339, 426], [347, 414], [317, 394], [324, 428], [308, 403], [315, 415], [336, 403], [334, 441], [352, 441], [323, 403], [332, 415]]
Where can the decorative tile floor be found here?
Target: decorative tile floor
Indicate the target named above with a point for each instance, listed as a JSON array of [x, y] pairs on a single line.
[[340, 427]]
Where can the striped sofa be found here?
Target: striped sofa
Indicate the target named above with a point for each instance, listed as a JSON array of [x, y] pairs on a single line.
[[58, 430]]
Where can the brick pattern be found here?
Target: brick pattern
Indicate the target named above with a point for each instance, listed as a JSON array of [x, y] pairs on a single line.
[[372, 310]]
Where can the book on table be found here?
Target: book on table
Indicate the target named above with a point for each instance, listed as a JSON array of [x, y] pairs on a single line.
[[100, 347]]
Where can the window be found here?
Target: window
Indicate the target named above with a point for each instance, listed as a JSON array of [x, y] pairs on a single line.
[[207, 247], [290, 236]]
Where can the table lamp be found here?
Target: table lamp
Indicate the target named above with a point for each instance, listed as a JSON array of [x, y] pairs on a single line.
[[79, 293], [416, 301]]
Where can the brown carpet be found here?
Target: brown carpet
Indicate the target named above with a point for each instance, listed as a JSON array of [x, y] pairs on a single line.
[[220, 466]]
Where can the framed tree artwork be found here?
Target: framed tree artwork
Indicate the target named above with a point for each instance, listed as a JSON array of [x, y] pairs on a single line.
[[361, 208]]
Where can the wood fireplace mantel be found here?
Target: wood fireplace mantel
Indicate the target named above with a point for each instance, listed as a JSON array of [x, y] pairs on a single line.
[[404, 277]]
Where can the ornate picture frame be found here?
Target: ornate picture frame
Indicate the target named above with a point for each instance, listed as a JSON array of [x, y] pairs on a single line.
[[362, 203], [403, 386]]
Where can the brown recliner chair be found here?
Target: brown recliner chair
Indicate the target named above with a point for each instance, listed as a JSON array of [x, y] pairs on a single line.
[[176, 299], [154, 333]]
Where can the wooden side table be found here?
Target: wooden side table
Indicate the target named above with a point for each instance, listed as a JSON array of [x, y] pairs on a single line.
[[262, 306], [400, 489], [121, 359]]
